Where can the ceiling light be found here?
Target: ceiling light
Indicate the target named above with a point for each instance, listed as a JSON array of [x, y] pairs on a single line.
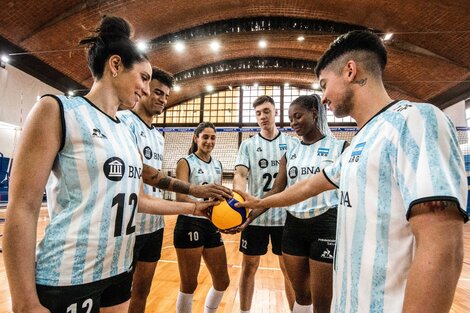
[[210, 88], [179, 46], [70, 93], [388, 36], [286, 84], [230, 87], [215, 46], [316, 85], [255, 85], [142, 46], [300, 38], [5, 58], [176, 88], [262, 43]]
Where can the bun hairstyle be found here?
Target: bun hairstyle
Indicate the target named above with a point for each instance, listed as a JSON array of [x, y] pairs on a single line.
[[313, 103], [197, 131], [112, 38]]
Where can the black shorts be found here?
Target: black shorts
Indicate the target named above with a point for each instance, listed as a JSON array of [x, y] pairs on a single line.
[[312, 237], [254, 240], [193, 232], [148, 247], [87, 297]]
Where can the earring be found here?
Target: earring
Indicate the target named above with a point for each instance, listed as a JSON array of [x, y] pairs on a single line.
[[114, 74]]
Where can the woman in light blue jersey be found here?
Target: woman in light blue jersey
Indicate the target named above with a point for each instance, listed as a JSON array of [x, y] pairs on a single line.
[[94, 171], [197, 236], [308, 240]]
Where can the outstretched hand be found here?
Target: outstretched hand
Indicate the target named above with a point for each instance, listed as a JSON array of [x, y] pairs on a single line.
[[250, 202], [204, 208], [211, 191]]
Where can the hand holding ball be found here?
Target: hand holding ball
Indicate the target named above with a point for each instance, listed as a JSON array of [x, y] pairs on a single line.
[[225, 215]]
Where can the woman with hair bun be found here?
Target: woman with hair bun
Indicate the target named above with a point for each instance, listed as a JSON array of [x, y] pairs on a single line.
[[83, 263]]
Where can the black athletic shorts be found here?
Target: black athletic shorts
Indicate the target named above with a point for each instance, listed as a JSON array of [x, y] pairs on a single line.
[[87, 297], [148, 247], [193, 232], [254, 240], [312, 237]]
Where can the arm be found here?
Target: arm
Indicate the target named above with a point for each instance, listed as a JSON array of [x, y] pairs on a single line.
[[296, 193], [434, 273], [239, 178], [182, 173], [157, 178], [30, 174], [279, 185]]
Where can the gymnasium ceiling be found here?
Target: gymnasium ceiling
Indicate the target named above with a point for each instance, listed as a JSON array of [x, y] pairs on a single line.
[[429, 53]]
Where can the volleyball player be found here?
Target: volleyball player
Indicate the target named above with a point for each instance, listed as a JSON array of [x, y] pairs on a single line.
[[308, 240], [196, 236], [95, 185], [402, 188], [258, 163]]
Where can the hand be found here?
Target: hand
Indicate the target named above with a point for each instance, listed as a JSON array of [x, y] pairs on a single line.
[[250, 202], [239, 228], [204, 208], [211, 191]]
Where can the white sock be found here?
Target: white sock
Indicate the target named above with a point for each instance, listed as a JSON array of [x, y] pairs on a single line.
[[184, 303], [247, 311], [213, 299], [298, 308]]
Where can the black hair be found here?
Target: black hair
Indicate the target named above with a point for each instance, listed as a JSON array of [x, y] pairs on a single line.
[[197, 131], [112, 38], [313, 103], [262, 99], [162, 76], [355, 41]]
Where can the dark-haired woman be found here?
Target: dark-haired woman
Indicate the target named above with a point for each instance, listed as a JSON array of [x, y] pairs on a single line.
[[84, 259], [308, 241], [196, 236]]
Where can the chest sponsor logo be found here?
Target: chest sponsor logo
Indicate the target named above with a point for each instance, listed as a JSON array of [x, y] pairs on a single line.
[[356, 152], [293, 172], [149, 154], [263, 163], [323, 151], [114, 169]]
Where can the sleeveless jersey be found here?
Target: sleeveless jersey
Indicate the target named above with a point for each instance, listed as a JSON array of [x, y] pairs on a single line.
[[305, 160], [92, 198], [202, 173], [261, 157], [406, 154], [150, 143]]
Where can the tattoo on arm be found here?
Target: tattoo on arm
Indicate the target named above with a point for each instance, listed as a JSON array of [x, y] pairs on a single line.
[[180, 186], [164, 183]]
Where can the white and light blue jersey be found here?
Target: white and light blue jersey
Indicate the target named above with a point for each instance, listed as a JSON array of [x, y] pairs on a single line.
[[406, 154], [203, 173], [305, 160], [150, 143], [261, 157], [92, 198]]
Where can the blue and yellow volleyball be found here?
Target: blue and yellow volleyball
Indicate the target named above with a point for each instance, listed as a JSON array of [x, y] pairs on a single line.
[[225, 215]]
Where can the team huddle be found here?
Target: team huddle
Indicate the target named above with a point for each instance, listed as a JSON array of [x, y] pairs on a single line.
[[374, 225]]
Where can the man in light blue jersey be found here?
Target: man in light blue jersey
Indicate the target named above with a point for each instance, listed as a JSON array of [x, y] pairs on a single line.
[[257, 166], [149, 227], [402, 186]]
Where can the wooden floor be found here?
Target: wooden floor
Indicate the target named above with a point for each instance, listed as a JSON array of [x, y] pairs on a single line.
[[269, 295]]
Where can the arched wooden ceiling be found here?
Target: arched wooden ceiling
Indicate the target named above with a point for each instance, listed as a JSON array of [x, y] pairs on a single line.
[[429, 54]]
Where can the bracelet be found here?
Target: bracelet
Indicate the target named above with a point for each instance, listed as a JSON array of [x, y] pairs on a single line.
[[194, 211]]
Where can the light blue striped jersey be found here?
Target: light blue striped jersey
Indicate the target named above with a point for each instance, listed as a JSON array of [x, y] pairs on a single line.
[[406, 154], [262, 157], [202, 173], [305, 160], [150, 143], [92, 196]]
